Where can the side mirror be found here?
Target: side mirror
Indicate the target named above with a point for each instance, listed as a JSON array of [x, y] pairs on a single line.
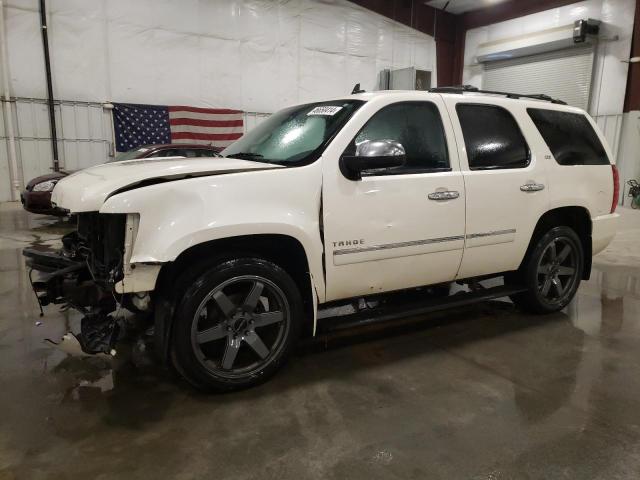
[[372, 155]]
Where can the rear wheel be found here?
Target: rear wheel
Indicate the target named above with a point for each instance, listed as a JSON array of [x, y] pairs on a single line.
[[236, 324], [552, 272]]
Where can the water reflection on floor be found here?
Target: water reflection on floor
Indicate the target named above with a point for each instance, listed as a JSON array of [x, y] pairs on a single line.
[[480, 392]]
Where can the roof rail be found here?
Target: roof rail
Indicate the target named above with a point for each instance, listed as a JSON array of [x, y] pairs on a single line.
[[460, 89]]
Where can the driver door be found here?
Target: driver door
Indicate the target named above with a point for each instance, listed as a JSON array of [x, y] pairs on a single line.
[[394, 228]]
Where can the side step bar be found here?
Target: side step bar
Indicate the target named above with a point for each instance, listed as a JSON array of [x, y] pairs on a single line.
[[387, 313]]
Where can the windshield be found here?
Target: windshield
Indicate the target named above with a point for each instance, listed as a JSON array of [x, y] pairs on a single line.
[[295, 134]]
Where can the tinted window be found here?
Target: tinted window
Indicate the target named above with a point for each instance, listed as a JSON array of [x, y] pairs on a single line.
[[186, 153], [163, 153], [569, 136], [492, 137], [205, 153], [418, 127]]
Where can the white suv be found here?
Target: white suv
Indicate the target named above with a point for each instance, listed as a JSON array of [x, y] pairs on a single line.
[[329, 202]]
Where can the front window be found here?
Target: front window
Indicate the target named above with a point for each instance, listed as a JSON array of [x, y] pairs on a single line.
[[295, 135], [417, 126]]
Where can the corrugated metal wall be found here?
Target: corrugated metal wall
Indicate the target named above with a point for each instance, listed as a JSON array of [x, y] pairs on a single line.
[[611, 126], [564, 74], [85, 137], [85, 133], [251, 119]]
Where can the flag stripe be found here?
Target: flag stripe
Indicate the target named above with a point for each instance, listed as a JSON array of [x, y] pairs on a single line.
[[204, 116], [205, 123], [217, 111], [196, 129], [204, 136]]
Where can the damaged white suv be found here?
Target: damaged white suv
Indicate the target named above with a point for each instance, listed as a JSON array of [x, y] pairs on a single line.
[[233, 258]]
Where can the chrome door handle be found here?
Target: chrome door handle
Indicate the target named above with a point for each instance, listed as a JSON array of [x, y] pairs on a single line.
[[446, 195], [532, 187]]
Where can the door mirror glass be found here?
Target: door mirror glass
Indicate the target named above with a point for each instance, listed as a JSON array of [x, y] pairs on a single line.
[[372, 155]]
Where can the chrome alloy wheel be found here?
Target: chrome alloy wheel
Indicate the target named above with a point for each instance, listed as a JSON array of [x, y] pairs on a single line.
[[240, 326], [557, 270]]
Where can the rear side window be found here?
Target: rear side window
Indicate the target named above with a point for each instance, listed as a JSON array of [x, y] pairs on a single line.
[[492, 137], [570, 137]]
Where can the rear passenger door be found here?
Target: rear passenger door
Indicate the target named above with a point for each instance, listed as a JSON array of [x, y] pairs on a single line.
[[505, 181]]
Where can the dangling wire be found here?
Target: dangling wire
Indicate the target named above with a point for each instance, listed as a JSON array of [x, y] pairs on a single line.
[[36, 293]]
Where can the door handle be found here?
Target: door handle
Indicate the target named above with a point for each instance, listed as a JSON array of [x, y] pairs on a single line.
[[532, 187], [446, 195]]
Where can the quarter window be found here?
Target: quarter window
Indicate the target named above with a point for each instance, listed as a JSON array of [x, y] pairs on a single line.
[[569, 136], [418, 127], [492, 137]]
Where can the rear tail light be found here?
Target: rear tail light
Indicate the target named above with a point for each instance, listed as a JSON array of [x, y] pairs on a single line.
[[616, 188]]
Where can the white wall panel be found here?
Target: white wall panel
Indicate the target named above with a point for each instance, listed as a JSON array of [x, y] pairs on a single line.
[[247, 54], [611, 127], [24, 42], [253, 55], [5, 177], [628, 163]]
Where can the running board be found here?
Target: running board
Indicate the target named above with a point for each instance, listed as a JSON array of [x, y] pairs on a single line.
[[393, 312]]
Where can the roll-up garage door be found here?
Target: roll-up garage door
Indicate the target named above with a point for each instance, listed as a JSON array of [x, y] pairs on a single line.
[[563, 74]]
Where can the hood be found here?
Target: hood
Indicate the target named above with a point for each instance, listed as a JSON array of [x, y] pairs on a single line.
[[87, 190]]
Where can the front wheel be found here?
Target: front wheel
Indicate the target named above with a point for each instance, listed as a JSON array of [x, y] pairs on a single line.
[[236, 324], [552, 272]]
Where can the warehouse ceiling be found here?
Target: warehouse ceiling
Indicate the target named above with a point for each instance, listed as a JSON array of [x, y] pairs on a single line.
[[462, 6]]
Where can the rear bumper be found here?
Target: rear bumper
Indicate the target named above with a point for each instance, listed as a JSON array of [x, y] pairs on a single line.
[[604, 228]]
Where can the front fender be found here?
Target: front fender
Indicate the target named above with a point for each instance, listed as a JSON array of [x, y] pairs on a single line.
[[177, 215]]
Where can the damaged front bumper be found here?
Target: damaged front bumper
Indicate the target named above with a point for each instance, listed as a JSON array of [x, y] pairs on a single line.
[[57, 279], [61, 280], [83, 274], [94, 275]]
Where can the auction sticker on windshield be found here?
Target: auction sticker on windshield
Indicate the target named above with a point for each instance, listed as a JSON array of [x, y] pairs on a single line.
[[325, 110]]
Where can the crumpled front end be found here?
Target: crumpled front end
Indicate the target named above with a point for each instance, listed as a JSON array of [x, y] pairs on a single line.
[[83, 276]]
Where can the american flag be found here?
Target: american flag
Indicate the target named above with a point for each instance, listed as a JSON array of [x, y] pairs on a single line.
[[137, 125]]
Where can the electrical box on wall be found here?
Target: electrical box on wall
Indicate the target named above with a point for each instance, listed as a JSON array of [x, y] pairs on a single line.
[[405, 79], [582, 28]]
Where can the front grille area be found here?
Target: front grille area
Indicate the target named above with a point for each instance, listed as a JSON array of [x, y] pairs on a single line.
[[100, 242]]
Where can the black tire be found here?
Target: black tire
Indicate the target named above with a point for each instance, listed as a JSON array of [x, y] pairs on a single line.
[[551, 272], [236, 324]]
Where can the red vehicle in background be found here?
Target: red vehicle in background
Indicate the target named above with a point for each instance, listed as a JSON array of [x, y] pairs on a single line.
[[36, 197]]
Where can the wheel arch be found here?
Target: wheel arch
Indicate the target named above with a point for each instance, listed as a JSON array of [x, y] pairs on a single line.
[[576, 217], [283, 250]]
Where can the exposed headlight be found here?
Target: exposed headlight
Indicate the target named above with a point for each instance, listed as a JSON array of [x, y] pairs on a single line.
[[45, 186]]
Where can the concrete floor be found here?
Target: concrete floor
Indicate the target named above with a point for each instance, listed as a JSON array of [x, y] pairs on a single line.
[[477, 393]]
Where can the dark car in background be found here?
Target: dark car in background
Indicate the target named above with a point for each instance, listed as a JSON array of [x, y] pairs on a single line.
[[36, 197]]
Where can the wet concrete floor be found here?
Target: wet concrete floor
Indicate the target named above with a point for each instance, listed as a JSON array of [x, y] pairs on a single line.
[[477, 393]]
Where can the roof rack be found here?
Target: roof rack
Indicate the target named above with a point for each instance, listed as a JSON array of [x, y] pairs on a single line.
[[460, 89]]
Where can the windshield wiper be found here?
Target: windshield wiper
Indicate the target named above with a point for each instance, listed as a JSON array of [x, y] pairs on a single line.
[[246, 156]]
